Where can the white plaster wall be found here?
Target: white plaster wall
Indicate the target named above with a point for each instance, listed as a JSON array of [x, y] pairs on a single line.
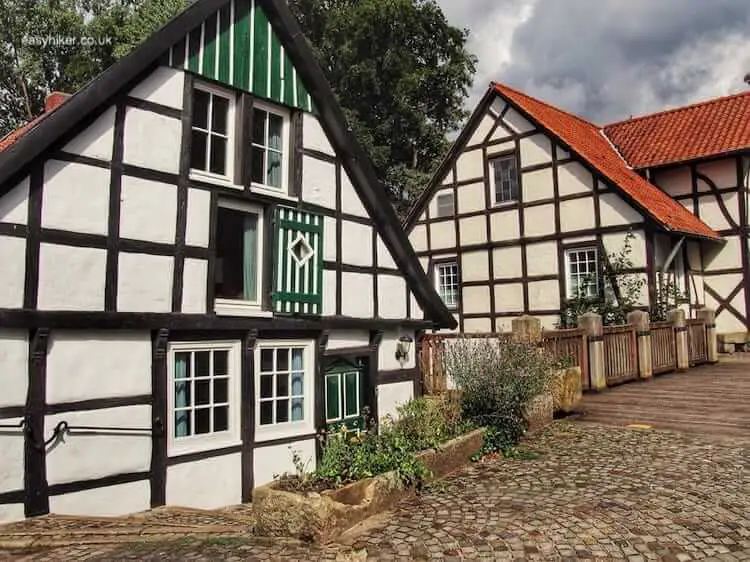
[[83, 365], [391, 297], [562, 153], [498, 106], [538, 185], [549, 322], [501, 132], [329, 293], [164, 86], [357, 298], [470, 165], [573, 178], [544, 295], [726, 322], [473, 230], [614, 243], [712, 215], [350, 201], [319, 182], [12, 272], [275, 460], [577, 214], [14, 357], [206, 484], [516, 122], [111, 501], [14, 205], [725, 257], [695, 261], [539, 221], [329, 239], [75, 197], [471, 198], [416, 311], [443, 235], [356, 244], [482, 130], [387, 351], [391, 396], [149, 150], [535, 150], [144, 283], [148, 210], [504, 226], [11, 512], [314, 137], [509, 298], [198, 217], [613, 210], [675, 181], [476, 300], [541, 259], [71, 278], [385, 259], [722, 172], [97, 140], [11, 458], [418, 238], [348, 339], [477, 326], [87, 456], [194, 284], [475, 266], [506, 262]]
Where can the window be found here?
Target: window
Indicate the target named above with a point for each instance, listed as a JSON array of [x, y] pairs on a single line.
[[447, 283], [268, 147], [284, 388], [583, 274], [504, 176], [239, 247], [204, 396], [344, 389], [211, 148], [445, 205]]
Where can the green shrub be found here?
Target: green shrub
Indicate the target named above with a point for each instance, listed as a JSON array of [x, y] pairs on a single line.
[[497, 379], [426, 423]]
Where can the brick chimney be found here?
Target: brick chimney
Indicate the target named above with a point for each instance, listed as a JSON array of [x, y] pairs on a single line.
[[54, 100]]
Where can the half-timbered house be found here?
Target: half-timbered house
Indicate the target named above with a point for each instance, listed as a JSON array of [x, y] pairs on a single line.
[[200, 271], [530, 199]]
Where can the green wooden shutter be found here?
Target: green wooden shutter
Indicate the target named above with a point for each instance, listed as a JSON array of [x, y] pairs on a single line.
[[298, 265]]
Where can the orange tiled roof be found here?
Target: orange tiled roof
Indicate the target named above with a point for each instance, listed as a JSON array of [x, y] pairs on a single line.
[[701, 130], [588, 141], [53, 101]]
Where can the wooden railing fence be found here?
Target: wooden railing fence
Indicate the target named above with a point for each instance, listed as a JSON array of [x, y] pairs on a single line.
[[663, 350], [697, 342], [569, 346], [620, 354]]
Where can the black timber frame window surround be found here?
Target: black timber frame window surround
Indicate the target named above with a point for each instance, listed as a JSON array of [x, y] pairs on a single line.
[[582, 273], [446, 205], [504, 177], [447, 281]]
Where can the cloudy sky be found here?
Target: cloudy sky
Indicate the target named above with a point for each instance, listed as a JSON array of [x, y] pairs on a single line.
[[609, 59]]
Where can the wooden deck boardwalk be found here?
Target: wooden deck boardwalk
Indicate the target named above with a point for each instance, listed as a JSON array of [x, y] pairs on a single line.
[[711, 400]]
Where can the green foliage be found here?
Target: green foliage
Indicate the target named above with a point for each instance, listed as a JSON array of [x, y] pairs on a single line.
[[497, 380], [619, 292], [426, 423], [668, 297], [401, 72]]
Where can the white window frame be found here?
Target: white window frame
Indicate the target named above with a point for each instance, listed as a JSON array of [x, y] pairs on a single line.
[[228, 177], [284, 430], [438, 279], [285, 149], [237, 307], [210, 441], [438, 207], [569, 274], [492, 161]]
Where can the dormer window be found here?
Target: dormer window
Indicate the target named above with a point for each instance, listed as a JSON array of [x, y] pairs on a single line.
[[269, 147]]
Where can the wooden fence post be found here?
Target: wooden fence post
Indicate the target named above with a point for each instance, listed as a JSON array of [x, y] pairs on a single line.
[[708, 316], [592, 323], [640, 322], [527, 329], [677, 318]]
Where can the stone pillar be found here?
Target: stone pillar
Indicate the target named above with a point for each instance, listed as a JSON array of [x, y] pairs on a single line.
[[642, 326], [527, 329], [712, 346], [592, 323], [677, 318]]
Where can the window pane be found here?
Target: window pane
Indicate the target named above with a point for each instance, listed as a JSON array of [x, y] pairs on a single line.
[[229, 249], [282, 359], [182, 394], [332, 397], [266, 360], [259, 127], [220, 112], [258, 173], [298, 384], [221, 418], [282, 411], [298, 409], [182, 365], [182, 423], [273, 177], [218, 155], [275, 130], [351, 396], [297, 359], [203, 392], [200, 109], [266, 386], [221, 363], [266, 413], [282, 385], [202, 363], [203, 421], [250, 258], [221, 391], [198, 151]]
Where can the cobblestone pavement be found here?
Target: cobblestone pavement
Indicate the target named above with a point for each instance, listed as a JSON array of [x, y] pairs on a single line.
[[594, 492]]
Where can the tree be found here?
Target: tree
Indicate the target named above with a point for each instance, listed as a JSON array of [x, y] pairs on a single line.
[[401, 73], [60, 45]]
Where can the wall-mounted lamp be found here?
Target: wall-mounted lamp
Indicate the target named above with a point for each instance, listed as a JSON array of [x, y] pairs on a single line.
[[402, 349]]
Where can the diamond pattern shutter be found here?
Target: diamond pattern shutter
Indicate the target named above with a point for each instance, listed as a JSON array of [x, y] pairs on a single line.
[[298, 269]]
